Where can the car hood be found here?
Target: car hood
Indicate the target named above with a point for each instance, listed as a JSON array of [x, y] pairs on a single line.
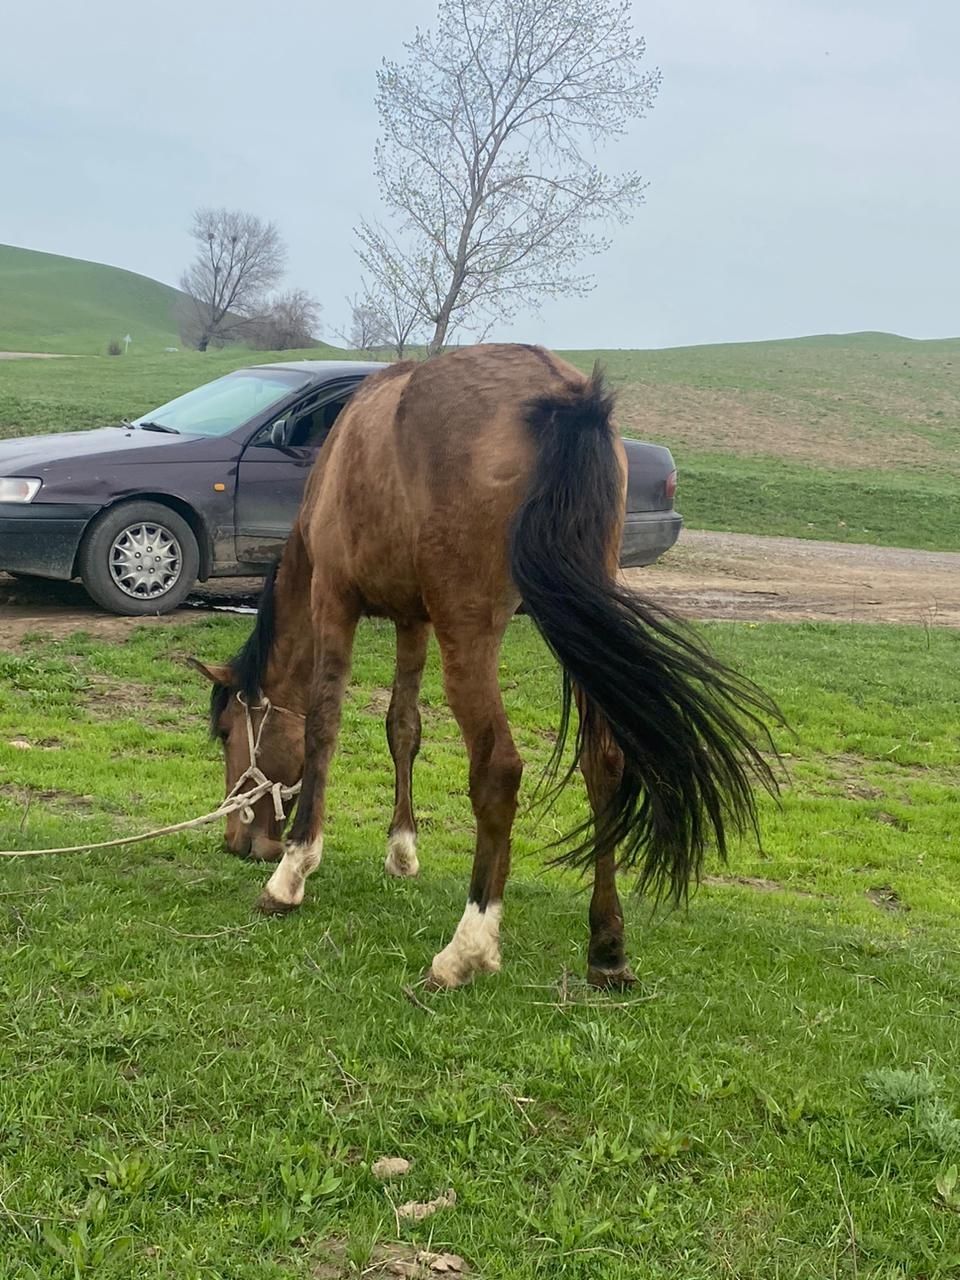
[[36, 455]]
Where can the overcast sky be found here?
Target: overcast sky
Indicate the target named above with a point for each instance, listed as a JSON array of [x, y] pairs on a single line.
[[802, 156]]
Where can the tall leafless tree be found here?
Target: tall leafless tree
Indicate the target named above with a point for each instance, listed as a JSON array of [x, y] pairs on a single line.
[[239, 259], [486, 160]]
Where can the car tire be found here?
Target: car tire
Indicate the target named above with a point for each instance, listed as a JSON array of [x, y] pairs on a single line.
[[139, 559]]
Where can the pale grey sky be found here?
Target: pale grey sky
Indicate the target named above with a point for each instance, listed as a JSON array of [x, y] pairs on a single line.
[[802, 156]]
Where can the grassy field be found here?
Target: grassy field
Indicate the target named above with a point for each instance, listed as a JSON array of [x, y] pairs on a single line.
[[188, 1092], [65, 305], [851, 439]]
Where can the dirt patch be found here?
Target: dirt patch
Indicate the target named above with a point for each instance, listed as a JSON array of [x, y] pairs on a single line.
[[745, 577], [862, 791], [34, 355], [54, 610], [378, 703], [734, 576], [108, 698], [759, 883], [886, 898], [890, 820], [846, 773], [60, 801], [387, 1262]]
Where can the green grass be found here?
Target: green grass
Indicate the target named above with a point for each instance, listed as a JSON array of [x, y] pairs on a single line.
[[187, 1092], [65, 305], [768, 496]]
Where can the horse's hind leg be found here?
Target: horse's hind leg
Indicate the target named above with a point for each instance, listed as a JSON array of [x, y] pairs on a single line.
[[303, 848], [470, 664], [601, 763], [403, 736]]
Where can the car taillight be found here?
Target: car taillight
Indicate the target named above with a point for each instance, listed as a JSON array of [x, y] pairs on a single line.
[[670, 488]]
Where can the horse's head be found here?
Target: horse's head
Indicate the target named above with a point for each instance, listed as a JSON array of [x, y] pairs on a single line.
[[256, 736]]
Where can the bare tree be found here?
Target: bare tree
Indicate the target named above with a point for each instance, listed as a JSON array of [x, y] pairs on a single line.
[[239, 259], [367, 331], [486, 156], [289, 321], [395, 316]]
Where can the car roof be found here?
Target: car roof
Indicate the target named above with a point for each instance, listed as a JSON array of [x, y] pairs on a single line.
[[325, 370]]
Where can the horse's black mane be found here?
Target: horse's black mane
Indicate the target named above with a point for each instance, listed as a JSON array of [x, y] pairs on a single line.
[[250, 663]]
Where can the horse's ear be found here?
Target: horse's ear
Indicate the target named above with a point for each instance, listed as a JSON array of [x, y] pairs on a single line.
[[215, 674]]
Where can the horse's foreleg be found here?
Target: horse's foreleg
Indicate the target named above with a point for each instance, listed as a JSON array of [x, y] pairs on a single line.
[[470, 674], [335, 627], [403, 736]]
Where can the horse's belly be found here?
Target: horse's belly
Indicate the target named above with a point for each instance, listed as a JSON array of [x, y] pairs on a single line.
[[384, 572]]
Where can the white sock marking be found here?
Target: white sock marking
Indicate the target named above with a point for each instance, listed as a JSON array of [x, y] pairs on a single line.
[[286, 883], [474, 948], [401, 859]]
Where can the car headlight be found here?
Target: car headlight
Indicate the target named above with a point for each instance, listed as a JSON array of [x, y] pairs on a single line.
[[18, 488]]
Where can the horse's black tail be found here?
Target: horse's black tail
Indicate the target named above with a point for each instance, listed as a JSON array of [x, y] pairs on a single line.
[[684, 722]]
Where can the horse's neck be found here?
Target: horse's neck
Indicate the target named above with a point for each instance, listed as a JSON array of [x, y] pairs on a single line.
[[290, 663]]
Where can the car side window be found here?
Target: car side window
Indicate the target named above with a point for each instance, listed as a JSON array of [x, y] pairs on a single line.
[[306, 425], [312, 427], [292, 428]]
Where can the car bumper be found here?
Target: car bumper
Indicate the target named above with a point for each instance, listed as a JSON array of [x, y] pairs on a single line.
[[42, 537], [647, 535]]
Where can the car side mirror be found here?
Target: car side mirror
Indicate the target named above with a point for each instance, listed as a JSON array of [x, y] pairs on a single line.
[[280, 433]]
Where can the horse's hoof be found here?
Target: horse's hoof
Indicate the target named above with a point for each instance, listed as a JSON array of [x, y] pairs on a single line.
[[268, 905], [611, 979], [401, 860], [435, 982]]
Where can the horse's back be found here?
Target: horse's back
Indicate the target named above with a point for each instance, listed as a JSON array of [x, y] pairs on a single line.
[[462, 414]]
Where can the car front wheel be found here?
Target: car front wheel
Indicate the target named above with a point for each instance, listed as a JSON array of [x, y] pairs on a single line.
[[139, 558]]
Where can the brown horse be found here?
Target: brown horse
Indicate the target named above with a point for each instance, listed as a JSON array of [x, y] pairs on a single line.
[[448, 493]]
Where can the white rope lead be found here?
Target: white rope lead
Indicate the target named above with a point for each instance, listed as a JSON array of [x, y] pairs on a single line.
[[235, 802]]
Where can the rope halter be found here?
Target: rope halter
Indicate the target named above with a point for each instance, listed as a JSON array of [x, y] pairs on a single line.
[[243, 802], [234, 802]]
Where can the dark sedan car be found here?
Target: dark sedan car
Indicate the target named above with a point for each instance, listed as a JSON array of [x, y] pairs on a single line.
[[209, 486]]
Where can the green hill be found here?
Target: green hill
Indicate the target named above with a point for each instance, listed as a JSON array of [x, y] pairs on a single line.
[[54, 304]]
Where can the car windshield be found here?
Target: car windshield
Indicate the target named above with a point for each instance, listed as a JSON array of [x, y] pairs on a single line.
[[221, 406]]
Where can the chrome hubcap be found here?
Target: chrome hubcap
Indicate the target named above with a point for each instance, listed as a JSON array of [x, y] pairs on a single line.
[[145, 561]]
